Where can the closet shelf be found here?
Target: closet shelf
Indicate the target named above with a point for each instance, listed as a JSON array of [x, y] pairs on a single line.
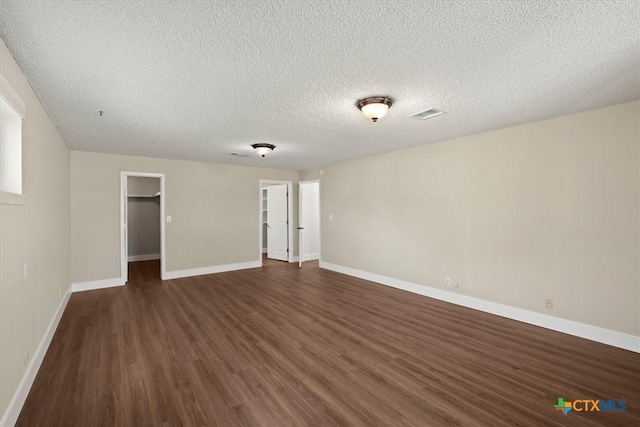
[[144, 195]]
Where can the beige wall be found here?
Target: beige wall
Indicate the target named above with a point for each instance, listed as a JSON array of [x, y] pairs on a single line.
[[143, 226], [214, 210], [543, 210], [138, 185], [35, 232]]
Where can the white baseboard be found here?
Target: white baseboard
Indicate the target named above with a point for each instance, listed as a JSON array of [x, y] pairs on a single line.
[[309, 257], [149, 257], [582, 330], [97, 284], [177, 274], [15, 406], [264, 250]]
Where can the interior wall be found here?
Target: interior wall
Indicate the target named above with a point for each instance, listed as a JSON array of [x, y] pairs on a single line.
[[140, 185], [311, 220], [143, 227], [214, 210], [35, 233], [542, 210]]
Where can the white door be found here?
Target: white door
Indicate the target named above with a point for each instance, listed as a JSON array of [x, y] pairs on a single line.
[[309, 225], [277, 218], [125, 229], [300, 226]]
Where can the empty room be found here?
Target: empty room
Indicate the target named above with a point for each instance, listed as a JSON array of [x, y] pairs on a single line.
[[314, 213]]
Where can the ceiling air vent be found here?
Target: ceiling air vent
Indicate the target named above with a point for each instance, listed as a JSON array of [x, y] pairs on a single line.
[[240, 155], [427, 114]]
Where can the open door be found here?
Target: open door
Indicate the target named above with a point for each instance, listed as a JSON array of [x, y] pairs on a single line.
[[309, 221], [300, 226], [277, 222], [125, 229]]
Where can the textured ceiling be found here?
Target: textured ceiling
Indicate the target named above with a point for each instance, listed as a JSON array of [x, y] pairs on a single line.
[[199, 80]]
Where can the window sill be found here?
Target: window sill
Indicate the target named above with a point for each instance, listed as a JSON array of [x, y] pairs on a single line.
[[11, 198]]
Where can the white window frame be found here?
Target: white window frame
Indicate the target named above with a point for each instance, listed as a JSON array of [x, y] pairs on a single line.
[[12, 98]]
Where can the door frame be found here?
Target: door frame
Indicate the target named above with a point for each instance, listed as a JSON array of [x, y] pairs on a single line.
[[267, 182], [300, 184], [124, 232]]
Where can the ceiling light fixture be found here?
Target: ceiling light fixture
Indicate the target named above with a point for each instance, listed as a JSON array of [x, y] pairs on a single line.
[[263, 149], [375, 107]]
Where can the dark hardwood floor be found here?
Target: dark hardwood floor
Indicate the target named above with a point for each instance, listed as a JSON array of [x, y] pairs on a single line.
[[280, 346]]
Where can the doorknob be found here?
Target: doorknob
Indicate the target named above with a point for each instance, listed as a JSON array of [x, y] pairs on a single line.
[[300, 228]]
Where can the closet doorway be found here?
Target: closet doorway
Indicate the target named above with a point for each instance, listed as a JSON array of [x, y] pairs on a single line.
[[142, 226]]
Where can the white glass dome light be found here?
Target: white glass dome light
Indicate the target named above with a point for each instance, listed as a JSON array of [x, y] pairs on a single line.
[[374, 107], [263, 149]]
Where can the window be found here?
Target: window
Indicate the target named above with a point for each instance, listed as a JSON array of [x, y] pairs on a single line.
[[11, 115]]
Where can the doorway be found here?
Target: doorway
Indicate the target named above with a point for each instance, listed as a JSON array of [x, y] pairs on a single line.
[[275, 220], [142, 226], [309, 221]]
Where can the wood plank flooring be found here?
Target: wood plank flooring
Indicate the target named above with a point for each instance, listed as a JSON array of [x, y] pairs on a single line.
[[280, 346]]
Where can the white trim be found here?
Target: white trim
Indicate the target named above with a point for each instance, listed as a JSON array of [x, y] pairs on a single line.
[[97, 284], [264, 250], [311, 257], [20, 396], [582, 330], [148, 257], [7, 198], [177, 274], [11, 96], [144, 196], [265, 183], [123, 232]]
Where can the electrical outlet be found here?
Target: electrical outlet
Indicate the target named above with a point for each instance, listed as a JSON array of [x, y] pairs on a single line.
[[26, 357], [548, 303], [456, 284], [447, 281]]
